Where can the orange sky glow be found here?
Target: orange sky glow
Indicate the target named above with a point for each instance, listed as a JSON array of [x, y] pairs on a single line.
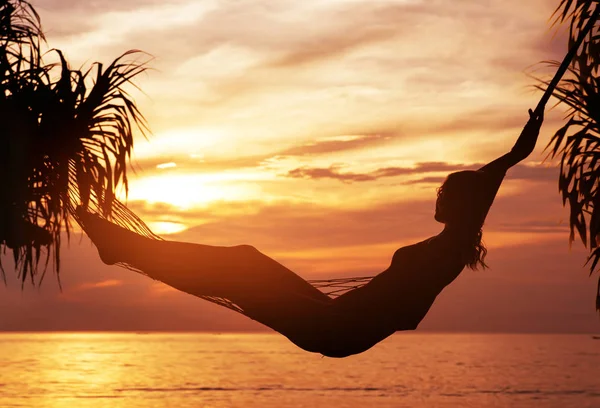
[[318, 132]]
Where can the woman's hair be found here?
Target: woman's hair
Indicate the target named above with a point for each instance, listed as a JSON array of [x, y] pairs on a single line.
[[460, 203]]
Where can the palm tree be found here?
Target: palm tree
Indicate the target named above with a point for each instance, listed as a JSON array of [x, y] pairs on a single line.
[[578, 141], [65, 139]]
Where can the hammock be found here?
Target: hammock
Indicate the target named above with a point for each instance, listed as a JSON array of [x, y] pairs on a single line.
[[124, 217]]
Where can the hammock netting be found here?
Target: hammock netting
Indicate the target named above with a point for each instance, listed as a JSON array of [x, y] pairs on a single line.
[[122, 216]]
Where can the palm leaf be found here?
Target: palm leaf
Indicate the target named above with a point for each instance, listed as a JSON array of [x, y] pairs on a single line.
[[578, 141], [65, 139]]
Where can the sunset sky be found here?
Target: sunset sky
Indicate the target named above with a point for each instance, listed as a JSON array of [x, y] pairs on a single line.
[[318, 131]]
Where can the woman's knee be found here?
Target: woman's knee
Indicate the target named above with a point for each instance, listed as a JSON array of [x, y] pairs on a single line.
[[246, 248], [248, 253]]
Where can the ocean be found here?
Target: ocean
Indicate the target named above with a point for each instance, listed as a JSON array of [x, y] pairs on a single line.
[[93, 370]]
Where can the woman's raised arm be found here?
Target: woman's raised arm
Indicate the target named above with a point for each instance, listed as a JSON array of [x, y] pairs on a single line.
[[494, 171], [522, 148]]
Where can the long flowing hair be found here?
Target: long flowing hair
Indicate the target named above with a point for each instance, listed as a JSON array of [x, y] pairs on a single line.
[[459, 202]]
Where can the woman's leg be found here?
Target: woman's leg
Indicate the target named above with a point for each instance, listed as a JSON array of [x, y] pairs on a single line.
[[238, 273]]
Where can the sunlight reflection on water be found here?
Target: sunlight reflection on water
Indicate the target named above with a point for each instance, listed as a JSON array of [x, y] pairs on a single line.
[[264, 370]]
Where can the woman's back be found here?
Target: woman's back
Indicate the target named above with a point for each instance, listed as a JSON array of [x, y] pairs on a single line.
[[401, 295]]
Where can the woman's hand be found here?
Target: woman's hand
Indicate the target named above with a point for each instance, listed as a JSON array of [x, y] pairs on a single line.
[[528, 138]]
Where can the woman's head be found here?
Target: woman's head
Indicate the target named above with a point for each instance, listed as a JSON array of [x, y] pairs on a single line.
[[459, 202], [460, 205]]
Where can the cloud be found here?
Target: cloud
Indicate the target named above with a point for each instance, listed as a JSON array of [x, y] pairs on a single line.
[[344, 28], [331, 172], [321, 146], [542, 173], [343, 66], [186, 163], [335, 144], [536, 226], [519, 172], [427, 180], [471, 135], [99, 285], [91, 7]]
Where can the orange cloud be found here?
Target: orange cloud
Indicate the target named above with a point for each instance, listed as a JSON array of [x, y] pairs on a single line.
[[98, 285]]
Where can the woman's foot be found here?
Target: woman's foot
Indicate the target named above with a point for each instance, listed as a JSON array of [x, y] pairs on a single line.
[[111, 240]]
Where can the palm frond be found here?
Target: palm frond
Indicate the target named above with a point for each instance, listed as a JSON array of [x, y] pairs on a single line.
[[65, 139], [577, 142]]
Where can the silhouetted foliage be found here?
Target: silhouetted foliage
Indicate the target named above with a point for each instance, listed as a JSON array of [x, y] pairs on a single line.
[[578, 141], [66, 136]]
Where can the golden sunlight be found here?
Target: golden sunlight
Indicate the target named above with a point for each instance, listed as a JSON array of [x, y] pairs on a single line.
[[167, 227], [193, 190], [182, 141]]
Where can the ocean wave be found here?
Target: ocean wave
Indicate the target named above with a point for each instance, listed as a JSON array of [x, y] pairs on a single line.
[[590, 393], [250, 389]]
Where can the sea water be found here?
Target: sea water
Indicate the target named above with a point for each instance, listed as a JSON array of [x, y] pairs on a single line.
[[133, 370]]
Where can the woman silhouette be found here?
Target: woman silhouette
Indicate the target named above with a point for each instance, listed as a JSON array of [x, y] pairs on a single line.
[[268, 292]]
